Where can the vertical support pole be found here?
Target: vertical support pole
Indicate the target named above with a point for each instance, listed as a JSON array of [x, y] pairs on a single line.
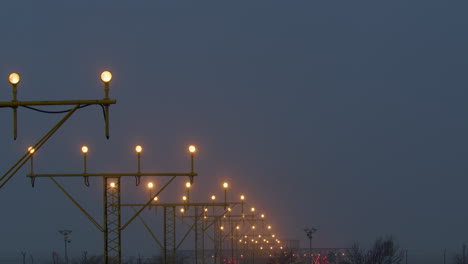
[[15, 114], [106, 107], [170, 256], [112, 221], [232, 240], [105, 185], [196, 234], [165, 234], [203, 237], [199, 234], [215, 241]]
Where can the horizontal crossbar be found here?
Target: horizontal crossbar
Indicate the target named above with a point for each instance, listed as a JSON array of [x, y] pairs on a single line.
[[60, 102], [111, 175]]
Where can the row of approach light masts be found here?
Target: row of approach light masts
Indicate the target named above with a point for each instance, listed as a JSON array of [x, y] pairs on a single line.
[[256, 239], [186, 198], [225, 185], [244, 238]]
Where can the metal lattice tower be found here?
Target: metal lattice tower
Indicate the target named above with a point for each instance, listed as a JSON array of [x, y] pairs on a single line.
[[169, 235], [112, 220], [199, 237], [216, 242]]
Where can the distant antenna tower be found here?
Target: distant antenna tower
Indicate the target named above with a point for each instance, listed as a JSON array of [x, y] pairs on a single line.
[[66, 240], [309, 232]]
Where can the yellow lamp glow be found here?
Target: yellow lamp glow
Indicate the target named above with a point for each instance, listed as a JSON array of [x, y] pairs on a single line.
[[150, 185], [225, 185], [242, 197], [31, 150], [253, 227], [192, 149], [112, 184], [182, 210], [269, 227], [252, 209], [138, 149], [262, 216], [84, 149], [14, 78], [187, 184], [106, 76], [155, 198], [213, 197], [184, 198]]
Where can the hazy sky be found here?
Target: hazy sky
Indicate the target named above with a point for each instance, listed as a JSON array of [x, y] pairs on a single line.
[[349, 116]]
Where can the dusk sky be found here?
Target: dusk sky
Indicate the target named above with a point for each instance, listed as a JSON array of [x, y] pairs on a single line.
[[349, 116]]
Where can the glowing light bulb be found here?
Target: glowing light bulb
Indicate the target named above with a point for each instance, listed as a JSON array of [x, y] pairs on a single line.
[[112, 184], [225, 185], [31, 150], [213, 197], [84, 149], [14, 78], [138, 149], [192, 149], [106, 76], [150, 185], [188, 185]]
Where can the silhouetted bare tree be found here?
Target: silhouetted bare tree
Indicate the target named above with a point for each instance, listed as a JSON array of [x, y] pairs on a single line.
[[384, 251], [461, 258], [23, 253]]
